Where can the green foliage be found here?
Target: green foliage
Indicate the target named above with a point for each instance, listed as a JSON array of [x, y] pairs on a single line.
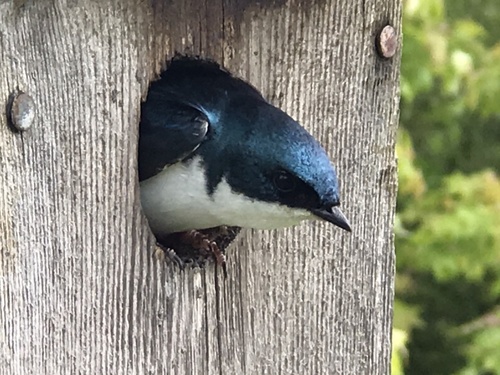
[[456, 228], [450, 90], [448, 221], [482, 351], [399, 338]]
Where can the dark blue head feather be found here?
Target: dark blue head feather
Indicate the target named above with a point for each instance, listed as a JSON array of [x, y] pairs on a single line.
[[260, 150]]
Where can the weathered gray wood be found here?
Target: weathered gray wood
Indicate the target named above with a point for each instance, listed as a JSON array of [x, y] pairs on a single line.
[[82, 290]]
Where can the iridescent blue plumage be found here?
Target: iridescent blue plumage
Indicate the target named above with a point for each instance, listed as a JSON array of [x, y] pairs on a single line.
[[254, 147]]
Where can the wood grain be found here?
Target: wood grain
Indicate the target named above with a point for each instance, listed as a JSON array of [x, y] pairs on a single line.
[[82, 288]]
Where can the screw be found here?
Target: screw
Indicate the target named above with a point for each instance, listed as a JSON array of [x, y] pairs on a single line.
[[387, 42], [21, 111]]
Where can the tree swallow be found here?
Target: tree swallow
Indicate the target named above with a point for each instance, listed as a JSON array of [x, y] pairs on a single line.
[[213, 152]]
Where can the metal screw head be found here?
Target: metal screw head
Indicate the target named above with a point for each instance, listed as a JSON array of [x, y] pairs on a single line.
[[22, 111], [387, 42]]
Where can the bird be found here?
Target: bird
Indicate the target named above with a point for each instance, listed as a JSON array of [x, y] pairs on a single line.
[[214, 153]]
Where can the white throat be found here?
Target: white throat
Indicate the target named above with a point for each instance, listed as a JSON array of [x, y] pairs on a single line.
[[176, 200]]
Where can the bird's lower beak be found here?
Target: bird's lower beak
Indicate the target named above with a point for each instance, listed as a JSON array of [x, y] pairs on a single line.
[[333, 215]]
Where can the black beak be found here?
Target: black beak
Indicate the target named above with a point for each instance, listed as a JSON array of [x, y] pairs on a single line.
[[333, 215]]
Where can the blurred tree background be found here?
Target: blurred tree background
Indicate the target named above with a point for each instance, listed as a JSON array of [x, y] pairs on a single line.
[[447, 308]]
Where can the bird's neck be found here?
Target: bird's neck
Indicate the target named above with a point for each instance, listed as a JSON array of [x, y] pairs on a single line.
[[177, 199]]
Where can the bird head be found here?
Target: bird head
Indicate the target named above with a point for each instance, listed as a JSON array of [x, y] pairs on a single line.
[[254, 167], [275, 160]]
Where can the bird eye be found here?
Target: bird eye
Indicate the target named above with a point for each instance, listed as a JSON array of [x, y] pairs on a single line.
[[284, 181]]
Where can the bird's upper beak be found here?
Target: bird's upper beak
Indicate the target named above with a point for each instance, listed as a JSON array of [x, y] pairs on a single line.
[[334, 216]]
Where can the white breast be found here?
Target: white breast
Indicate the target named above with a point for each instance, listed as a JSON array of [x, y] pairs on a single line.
[[176, 200]]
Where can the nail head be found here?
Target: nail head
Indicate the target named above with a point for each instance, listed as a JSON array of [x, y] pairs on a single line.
[[22, 111], [387, 42]]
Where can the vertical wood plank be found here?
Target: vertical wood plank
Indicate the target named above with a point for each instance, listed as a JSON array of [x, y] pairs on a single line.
[[82, 289]]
